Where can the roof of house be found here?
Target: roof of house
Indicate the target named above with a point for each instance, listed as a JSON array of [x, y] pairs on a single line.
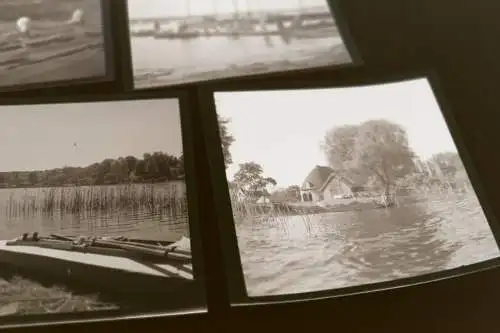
[[321, 176], [345, 179], [317, 177]]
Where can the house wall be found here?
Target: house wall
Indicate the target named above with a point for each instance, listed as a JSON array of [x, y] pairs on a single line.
[[313, 195], [334, 188]]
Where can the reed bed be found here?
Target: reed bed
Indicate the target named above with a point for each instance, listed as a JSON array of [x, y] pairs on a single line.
[[90, 200], [283, 211]]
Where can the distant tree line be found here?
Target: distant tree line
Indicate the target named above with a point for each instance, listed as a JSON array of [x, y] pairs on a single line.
[[374, 154], [152, 168]]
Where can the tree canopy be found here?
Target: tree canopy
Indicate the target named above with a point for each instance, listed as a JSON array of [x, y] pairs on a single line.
[[226, 139], [376, 150], [250, 177], [153, 167], [449, 163]]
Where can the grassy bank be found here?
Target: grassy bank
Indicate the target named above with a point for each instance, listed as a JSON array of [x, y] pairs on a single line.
[[98, 199], [243, 210]]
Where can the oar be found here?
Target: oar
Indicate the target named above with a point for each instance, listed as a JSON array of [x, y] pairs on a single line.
[[65, 238], [134, 246], [168, 248], [158, 252], [123, 240]]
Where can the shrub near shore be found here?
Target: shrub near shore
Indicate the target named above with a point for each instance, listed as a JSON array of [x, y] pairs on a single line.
[[245, 210]]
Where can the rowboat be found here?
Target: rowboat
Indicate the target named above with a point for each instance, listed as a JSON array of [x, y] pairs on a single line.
[[116, 268]]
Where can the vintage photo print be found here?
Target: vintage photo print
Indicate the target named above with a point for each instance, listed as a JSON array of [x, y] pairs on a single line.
[[341, 187], [94, 206], [48, 41], [198, 40]]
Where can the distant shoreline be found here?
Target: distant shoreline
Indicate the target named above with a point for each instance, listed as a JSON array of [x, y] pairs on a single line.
[[159, 182], [316, 9], [338, 55]]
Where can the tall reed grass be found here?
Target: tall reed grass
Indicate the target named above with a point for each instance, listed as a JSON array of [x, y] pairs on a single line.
[[247, 210], [154, 199], [244, 210]]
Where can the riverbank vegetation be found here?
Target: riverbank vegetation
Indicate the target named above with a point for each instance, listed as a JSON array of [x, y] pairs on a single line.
[[375, 158], [152, 168], [167, 200], [152, 184]]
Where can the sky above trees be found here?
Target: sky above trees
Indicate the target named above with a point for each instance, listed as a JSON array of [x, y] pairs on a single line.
[[39, 137], [283, 130]]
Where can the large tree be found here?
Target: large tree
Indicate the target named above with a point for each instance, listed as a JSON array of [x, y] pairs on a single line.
[[339, 144], [376, 151], [449, 163], [226, 139], [250, 177]]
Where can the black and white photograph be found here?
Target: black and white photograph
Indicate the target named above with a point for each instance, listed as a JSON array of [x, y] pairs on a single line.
[[48, 41], [94, 206], [178, 42], [348, 186]]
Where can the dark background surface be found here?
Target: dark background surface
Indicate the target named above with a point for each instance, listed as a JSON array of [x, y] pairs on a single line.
[[460, 41]]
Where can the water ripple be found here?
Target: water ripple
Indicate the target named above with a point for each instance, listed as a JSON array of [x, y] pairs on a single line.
[[317, 252]]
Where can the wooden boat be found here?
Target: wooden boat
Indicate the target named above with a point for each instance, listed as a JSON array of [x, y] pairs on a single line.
[[117, 268]]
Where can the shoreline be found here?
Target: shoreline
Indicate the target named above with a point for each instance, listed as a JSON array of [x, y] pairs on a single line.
[[84, 64], [335, 56], [298, 209], [88, 185]]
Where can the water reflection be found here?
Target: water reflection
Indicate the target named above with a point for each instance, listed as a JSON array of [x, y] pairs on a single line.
[[334, 250], [28, 216], [202, 59]]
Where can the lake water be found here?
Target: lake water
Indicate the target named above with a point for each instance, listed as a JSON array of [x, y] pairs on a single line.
[[177, 61], [335, 250], [21, 211]]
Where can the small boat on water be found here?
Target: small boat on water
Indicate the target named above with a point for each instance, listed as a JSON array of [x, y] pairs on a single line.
[[118, 267]]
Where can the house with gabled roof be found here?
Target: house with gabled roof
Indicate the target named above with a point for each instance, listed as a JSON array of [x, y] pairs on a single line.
[[325, 184]]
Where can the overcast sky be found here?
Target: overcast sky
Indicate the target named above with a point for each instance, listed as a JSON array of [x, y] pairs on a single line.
[[38, 137], [156, 8], [282, 130]]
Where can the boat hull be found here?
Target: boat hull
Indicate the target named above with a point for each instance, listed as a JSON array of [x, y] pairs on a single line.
[[114, 278]]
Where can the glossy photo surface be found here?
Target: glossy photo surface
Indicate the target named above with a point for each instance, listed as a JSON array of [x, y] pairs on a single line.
[[341, 187], [43, 42], [94, 206], [175, 42]]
